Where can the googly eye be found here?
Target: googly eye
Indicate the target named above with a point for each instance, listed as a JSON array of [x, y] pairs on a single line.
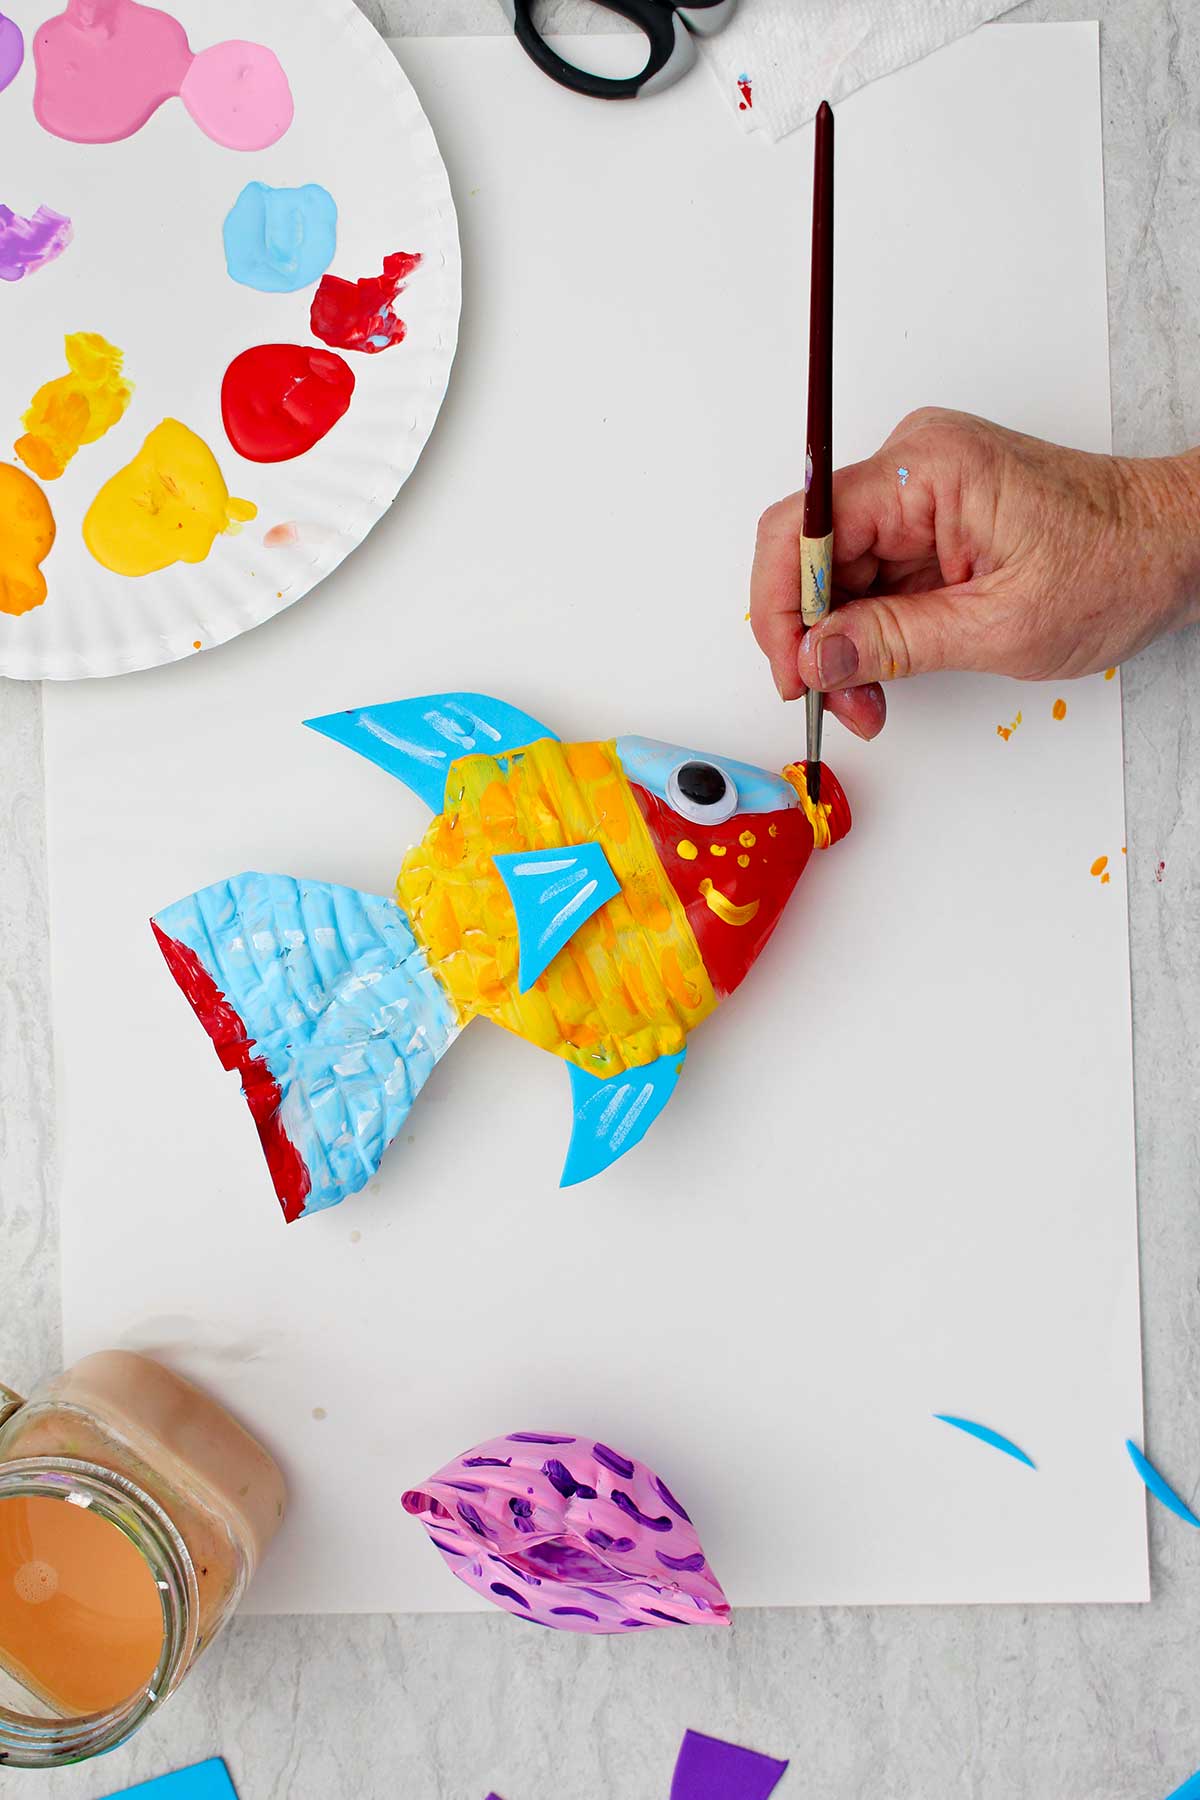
[[701, 792]]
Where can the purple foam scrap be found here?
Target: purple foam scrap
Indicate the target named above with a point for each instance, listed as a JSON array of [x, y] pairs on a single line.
[[709, 1769]]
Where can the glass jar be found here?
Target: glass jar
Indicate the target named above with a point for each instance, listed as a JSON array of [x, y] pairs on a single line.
[[133, 1512]]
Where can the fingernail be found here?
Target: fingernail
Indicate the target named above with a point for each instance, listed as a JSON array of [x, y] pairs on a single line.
[[837, 660]]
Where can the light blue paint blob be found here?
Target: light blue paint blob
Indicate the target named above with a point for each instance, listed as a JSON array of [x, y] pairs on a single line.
[[417, 740], [279, 239], [1189, 1791], [342, 1006], [903, 474], [987, 1436], [650, 763], [613, 1115], [553, 893], [1164, 1494]]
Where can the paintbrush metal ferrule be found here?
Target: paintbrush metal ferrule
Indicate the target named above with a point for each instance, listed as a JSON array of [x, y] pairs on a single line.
[[814, 717]]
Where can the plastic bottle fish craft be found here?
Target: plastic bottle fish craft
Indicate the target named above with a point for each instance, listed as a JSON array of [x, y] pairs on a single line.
[[598, 899]]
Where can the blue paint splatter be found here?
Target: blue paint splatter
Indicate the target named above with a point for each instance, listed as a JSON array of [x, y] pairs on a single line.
[[1165, 1495], [987, 1436], [1189, 1791], [903, 474], [280, 239]]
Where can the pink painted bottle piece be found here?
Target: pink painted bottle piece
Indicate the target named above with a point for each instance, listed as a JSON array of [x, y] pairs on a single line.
[[104, 67], [567, 1532], [238, 95]]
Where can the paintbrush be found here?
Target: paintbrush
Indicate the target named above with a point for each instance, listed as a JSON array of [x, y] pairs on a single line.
[[816, 541]]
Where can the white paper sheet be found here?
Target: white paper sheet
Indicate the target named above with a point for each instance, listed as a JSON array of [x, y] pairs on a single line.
[[765, 1302]]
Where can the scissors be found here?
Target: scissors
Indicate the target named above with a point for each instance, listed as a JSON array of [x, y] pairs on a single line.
[[668, 30]]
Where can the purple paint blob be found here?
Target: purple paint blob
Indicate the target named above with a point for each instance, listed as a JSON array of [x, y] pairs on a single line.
[[537, 1437], [690, 1565], [610, 1460], [12, 50], [633, 1511], [27, 245], [664, 1493]]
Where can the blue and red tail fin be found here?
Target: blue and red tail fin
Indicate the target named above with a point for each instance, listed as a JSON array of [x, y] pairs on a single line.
[[322, 999]]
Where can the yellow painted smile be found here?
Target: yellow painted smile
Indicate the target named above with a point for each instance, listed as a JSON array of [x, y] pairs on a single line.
[[724, 907]]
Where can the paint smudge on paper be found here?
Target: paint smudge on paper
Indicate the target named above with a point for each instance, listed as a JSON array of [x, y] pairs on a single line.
[[280, 239], [1160, 872], [902, 477], [302, 533], [358, 315], [986, 1435], [26, 540], [745, 89], [1006, 731], [12, 50], [104, 67], [1059, 710], [27, 245], [278, 400], [167, 506], [1100, 870], [76, 408], [1109, 673]]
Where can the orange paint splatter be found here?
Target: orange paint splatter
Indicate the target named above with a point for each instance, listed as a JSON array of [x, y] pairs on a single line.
[[196, 645], [1059, 709], [1006, 731], [1100, 868], [279, 535], [1109, 673]]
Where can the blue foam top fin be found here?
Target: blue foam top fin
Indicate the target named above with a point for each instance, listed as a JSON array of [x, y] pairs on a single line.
[[553, 892], [613, 1115], [1162, 1491], [987, 1436], [417, 740]]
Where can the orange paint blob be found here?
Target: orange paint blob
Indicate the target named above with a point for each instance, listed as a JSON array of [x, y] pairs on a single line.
[[1109, 673], [1006, 731], [1099, 866], [1059, 709], [26, 540], [81, 1622]]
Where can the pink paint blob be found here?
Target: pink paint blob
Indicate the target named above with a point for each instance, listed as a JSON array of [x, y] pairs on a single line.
[[104, 67], [280, 535], [238, 95]]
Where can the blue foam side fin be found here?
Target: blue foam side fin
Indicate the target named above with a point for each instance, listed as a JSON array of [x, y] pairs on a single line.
[[417, 740], [710, 1769], [1162, 1491], [987, 1436], [612, 1116], [553, 892]]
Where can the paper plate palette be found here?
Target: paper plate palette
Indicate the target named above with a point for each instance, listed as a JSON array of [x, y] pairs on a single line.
[[230, 287]]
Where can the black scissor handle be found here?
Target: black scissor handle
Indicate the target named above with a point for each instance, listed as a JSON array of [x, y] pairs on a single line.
[[671, 49]]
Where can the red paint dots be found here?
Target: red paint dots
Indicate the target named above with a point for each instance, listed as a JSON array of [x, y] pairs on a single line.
[[744, 88], [278, 400], [357, 315], [1160, 872]]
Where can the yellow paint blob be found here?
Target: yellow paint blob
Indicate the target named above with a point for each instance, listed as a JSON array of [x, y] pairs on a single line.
[[1059, 709], [26, 538], [747, 840], [796, 775], [167, 506], [76, 408], [724, 907], [716, 849], [743, 862], [687, 849]]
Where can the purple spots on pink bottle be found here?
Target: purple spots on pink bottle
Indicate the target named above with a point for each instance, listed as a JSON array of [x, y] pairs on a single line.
[[609, 1459], [628, 1507]]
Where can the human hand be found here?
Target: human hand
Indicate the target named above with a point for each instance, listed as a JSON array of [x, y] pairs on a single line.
[[962, 545]]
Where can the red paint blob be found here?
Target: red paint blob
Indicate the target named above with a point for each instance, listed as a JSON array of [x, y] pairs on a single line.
[[357, 315], [224, 1026], [278, 400]]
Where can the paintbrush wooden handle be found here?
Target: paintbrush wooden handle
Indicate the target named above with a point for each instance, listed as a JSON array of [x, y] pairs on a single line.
[[816, 577]]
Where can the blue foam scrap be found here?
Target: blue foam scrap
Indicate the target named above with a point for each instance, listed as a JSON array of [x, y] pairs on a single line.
[[1162, 1491], [987, 1436], [203, 1781]]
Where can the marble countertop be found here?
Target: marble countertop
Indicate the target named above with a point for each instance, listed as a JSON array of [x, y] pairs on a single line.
[[1074, 1703]]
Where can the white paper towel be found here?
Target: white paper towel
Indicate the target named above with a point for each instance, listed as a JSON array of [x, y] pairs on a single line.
[[778, 59]]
